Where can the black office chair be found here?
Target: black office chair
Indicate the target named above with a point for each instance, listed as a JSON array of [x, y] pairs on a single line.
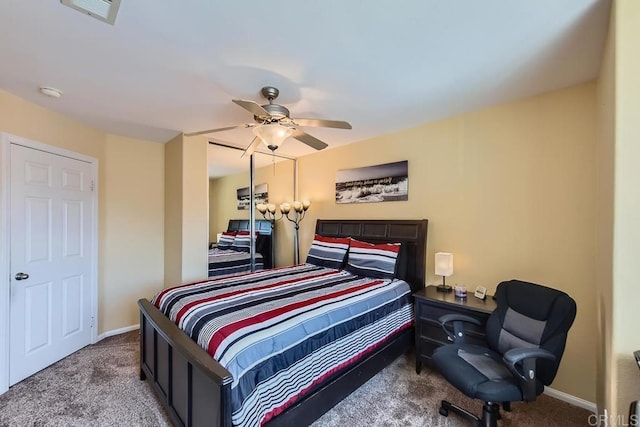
[[526, 335]]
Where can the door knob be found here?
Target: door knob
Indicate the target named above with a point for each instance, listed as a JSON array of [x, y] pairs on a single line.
[[22, 276]]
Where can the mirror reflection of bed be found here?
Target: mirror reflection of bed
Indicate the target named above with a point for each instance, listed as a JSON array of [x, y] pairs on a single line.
[[230, 253]]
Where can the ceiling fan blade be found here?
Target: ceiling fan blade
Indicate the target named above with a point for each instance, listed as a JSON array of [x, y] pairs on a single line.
[[252, 147], [338, 124], [252, 107], [202, 132], [311, 141]]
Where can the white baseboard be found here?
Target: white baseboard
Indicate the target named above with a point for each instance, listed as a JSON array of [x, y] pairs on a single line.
[[117, 332], [575, 401]]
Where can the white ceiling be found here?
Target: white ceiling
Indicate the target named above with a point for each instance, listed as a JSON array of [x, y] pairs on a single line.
[[174, 66]]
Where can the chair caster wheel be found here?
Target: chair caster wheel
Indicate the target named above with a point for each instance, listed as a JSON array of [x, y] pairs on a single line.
[[443, 411]]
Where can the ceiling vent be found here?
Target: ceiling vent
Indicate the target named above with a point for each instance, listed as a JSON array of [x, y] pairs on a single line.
[[104, 10]]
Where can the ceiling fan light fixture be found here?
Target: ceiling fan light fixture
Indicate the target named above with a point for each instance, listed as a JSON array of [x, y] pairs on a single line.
[[272, 134]]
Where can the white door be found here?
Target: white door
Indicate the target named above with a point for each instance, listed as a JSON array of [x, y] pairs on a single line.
[[51, 258]]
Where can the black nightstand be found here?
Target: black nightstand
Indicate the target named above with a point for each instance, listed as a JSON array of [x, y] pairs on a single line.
[[431, 304]]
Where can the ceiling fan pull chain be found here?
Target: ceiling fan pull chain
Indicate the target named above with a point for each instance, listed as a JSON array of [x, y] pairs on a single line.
[[273, 162]]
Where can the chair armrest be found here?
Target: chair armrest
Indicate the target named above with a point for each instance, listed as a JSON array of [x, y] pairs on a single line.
[[634, 413], [515, 355], [458, 320], [522, 362]]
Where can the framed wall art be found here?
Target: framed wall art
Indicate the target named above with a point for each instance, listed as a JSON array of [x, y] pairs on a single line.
[[388, 182], [261, 195]]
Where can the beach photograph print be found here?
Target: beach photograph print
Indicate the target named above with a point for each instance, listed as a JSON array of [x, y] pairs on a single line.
[[381, 183], [260, 194]]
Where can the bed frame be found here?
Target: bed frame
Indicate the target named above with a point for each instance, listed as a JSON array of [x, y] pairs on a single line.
[[264, 242], [195, 389]]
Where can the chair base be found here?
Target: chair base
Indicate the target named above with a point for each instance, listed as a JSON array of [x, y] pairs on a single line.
[[490, 413]]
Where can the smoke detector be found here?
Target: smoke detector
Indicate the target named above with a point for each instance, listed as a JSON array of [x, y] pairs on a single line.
[[104, 10]]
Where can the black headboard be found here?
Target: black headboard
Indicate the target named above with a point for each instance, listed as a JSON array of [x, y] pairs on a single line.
[[264, 242], [411, 233]]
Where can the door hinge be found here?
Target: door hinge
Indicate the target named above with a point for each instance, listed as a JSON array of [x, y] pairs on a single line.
[[93, 185], [92, 322]]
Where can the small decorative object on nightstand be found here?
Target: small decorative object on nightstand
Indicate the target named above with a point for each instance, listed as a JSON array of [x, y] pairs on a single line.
[[460, 291], [430, 305], [480, 293], [444, 268]]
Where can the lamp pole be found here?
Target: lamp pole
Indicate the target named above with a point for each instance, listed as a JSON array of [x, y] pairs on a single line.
[[299, 211], [252, 215]]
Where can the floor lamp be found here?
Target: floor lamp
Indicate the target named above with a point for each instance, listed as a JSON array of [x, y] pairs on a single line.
[[297, 215]]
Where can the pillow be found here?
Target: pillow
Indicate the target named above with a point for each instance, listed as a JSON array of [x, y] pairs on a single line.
[[373, 260], [242, 243], [328, 251], [226, 239]]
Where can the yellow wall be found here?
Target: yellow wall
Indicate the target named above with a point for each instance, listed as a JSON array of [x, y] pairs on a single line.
[[186, 210], [223, 206], [510, 191], [130, 257], [173, 211], [131, 245], [626, 268], [195, 209], [606, 392]]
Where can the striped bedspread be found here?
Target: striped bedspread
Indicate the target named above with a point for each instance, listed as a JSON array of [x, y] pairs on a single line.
[[281, 333], [223, 262]]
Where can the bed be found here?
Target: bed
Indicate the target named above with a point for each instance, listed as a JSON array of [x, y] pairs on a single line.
[[226, 261], [196, 389]]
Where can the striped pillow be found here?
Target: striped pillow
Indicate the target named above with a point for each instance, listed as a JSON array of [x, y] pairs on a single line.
[[226, 239], [242, 242], [369, 260], [328, 251]]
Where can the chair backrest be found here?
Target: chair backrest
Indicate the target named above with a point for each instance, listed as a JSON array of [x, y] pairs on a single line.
[[530, 315]]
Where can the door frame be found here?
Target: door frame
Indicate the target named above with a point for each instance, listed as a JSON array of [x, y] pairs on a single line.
[[5, 242]]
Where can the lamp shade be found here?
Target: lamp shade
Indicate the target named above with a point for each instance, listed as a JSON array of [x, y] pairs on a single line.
[[272, 134], [444, 264]]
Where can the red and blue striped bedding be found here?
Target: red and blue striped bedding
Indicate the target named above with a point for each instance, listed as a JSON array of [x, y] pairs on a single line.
[[282, 332], [223, 262]]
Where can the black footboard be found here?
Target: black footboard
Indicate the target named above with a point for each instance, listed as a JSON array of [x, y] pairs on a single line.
[[192, 386], [195, 389]]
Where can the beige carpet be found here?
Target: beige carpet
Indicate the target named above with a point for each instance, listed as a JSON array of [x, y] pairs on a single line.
[[99, 386]]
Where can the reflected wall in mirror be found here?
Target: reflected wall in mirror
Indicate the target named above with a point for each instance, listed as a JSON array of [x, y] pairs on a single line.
[[232, 173]]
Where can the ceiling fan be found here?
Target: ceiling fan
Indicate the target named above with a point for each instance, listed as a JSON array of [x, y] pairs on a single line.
[[273, 124]]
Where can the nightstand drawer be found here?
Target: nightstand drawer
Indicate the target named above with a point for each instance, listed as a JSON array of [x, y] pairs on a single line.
[[425, 349], [430, 305], [434, 332], [428, 311], [433, 325]]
